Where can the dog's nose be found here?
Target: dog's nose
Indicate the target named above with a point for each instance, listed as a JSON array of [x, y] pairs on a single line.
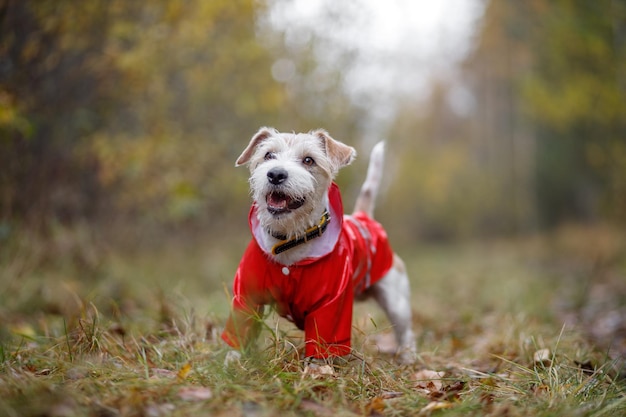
[[277, 175]]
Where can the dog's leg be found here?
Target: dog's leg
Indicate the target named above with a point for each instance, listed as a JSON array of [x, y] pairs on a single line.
[[393, 294]]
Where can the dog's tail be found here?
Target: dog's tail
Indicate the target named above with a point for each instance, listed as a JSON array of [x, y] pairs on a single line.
[[367, 197]]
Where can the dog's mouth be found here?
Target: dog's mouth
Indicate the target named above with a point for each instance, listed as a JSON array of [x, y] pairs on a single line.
[[278, 202]]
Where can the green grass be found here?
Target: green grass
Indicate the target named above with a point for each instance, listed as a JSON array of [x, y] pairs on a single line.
[[138, 334]]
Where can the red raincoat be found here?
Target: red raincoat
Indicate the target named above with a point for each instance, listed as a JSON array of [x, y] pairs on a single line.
[[315, 293]]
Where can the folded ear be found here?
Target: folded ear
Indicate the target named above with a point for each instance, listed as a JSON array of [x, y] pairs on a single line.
[[258, 138], [339, 153]]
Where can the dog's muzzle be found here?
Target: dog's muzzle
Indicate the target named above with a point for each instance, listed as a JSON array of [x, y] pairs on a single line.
[[277, 201]]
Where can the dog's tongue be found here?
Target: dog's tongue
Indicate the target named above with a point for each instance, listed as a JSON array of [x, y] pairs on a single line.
[[277, 201]]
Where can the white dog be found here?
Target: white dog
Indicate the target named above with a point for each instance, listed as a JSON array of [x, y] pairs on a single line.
[[306, 258]]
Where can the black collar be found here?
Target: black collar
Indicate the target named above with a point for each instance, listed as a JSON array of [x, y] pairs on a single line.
[[310, 233]]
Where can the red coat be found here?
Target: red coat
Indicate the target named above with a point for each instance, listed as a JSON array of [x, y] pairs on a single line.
[[316, 293]]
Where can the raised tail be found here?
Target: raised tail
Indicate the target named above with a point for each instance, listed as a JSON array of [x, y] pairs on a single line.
[[369, 190]]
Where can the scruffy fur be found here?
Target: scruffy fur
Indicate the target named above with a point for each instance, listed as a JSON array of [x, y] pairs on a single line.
[[301, 168]]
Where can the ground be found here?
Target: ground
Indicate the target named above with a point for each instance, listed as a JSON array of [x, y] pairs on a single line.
[[534, 325]]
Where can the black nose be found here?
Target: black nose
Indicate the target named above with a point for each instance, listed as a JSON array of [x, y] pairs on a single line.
[[277, 175]]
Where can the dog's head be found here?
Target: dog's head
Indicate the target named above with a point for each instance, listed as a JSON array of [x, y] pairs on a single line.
[[290, 176]]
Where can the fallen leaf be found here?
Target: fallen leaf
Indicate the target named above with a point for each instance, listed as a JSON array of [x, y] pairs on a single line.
[[376, 406], [317, 371], [435, 406], [391, 394], [452, 391], [117, 329], [162, 373], [195, 393], [586, 367], [184, 371], [542, 389], [428, 380], [431, 385], [434, 393], [45, 371], [156, 410], [543, 357]]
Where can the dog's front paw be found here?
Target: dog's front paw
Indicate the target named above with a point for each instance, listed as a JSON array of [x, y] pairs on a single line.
[[232, 357], [407, 355], [317, 367], [407, 358]]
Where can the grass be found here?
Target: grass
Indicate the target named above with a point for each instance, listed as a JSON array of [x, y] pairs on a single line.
[[532, 326]]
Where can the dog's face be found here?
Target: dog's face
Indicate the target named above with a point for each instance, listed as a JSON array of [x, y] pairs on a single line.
[[290, 176]]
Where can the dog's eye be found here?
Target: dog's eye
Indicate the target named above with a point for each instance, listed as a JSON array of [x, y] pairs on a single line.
[[308, 161], [270, 155]]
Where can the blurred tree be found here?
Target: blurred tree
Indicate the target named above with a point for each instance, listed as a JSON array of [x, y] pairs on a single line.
[[543, 139], [560, 69], [197, 86], [441, 188], [575, 96], [137, 110], [56, 86], [500, 136]]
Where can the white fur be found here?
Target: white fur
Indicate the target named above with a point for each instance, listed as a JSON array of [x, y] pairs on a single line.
[[308, 182], [311, 183], [393, 294]]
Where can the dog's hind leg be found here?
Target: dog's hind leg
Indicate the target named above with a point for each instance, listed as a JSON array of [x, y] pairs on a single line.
[[393, 294]]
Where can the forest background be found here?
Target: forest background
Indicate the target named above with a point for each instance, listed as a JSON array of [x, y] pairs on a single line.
[[123, 120], [120, 123]]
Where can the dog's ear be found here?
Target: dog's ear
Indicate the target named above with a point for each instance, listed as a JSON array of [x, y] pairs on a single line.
[[339, 153], [260, 136]]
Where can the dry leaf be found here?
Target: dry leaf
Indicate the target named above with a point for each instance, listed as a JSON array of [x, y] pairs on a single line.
[[184, 371], [162, 373], [542, 356], [117, 329], [391, 394], [452, 391], [587, 367], [375, 406], [155, 410], [430, 384], [434, 406], [45, 371], [428, 380], [317, 371], [195, 393], [542, 389]]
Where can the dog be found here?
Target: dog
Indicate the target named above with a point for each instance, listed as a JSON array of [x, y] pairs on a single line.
[[308, 259]]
